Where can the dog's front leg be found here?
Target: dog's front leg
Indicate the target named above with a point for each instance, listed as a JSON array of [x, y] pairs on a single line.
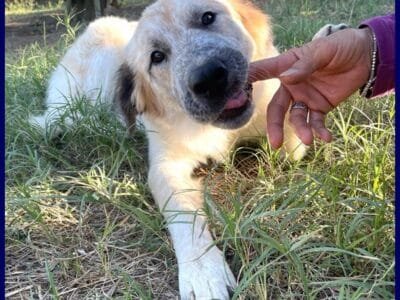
[[203, 272]]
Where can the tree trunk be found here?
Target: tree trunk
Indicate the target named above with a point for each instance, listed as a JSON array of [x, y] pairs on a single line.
[[114, 3], [86, 10]]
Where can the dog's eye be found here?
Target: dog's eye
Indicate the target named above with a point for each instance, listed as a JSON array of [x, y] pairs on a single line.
[[157, 57], [208, 18]]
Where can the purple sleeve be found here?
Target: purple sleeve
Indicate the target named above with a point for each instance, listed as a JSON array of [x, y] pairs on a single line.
[[383, 27]]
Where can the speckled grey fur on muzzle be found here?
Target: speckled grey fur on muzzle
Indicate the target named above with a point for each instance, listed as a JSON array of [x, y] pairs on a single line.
[[195, 50]]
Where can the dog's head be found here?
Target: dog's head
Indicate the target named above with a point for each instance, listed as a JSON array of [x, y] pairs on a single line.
[[192, 56]]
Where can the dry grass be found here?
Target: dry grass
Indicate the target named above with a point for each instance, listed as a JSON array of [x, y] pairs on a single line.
[[83, 256]]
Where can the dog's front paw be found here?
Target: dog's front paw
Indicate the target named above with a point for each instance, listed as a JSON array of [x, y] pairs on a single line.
[[205, 276], [329, 29]]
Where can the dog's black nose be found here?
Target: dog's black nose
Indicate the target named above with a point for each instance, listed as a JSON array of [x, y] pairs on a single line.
[[209, 80]]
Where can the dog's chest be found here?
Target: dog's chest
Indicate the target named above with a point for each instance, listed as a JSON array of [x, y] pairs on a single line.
[[189, 140]]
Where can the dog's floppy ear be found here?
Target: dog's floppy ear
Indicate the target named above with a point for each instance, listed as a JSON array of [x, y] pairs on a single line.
[[124, 97], [256, 23], [144, 97], [134, 96]]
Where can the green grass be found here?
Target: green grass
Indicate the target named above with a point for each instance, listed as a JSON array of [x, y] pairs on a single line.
[[81, 222]]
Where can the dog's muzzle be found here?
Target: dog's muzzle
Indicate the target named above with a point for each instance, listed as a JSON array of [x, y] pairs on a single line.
[[209, 81], [218, 90]]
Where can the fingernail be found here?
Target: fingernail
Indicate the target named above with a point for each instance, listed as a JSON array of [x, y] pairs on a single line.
[[288, 73]]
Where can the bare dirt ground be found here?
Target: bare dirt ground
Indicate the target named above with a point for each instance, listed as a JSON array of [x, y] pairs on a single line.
[[42, 28]]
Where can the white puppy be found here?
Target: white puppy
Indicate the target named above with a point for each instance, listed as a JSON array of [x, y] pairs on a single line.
[[183, 70]]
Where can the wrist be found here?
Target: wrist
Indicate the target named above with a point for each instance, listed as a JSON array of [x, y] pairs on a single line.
[[368, 40]]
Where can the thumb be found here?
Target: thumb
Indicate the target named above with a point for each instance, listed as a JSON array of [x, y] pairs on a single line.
[[298, 72], [310, 57]]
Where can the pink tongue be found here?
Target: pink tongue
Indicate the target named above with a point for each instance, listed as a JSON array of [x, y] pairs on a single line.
[[238, 100]]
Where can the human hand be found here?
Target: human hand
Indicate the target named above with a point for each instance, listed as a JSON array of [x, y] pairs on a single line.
[[320, 74]]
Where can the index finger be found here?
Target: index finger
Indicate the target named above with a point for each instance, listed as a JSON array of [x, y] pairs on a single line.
[[270, 67]]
